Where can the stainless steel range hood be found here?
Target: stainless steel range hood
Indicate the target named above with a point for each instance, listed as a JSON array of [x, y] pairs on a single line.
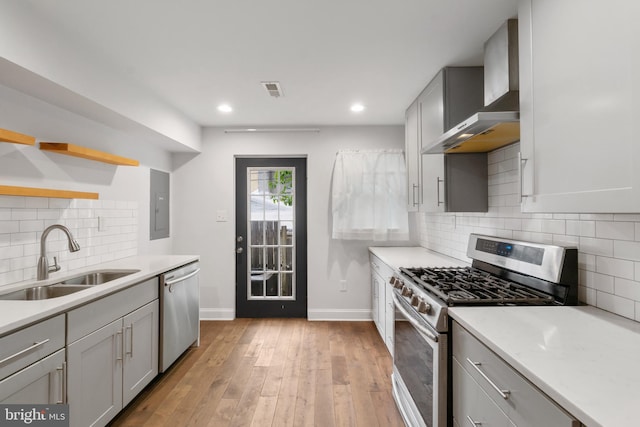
[[498, 123]]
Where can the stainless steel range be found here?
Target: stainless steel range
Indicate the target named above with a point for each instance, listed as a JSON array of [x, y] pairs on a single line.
[[503, 272]]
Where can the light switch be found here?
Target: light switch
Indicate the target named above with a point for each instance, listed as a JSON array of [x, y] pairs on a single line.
[[222, 216]]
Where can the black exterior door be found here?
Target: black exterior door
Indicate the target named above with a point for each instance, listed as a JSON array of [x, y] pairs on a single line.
[[271, 237]]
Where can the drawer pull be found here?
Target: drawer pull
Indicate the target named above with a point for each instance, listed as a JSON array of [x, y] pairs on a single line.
[[21, 352], [476, 365], [473, 423]]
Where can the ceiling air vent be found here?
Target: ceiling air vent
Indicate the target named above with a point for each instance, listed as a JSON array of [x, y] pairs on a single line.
[[273, 88]]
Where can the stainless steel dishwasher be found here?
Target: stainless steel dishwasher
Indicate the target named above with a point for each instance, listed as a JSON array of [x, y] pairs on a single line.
[[179, 313]]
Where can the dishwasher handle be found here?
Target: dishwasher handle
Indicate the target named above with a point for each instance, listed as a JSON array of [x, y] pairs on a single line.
[[173, 281]]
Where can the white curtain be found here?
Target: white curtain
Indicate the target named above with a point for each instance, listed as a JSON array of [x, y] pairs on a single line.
[[369, 195]]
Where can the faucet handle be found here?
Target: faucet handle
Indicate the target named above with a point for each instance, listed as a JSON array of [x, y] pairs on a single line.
[[55, 266]]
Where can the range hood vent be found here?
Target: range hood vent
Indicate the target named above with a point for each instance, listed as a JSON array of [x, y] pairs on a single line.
[[498, 123]]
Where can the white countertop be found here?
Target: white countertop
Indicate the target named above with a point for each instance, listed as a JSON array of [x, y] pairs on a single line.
[[584, 358], [413, 256], [17, 314]]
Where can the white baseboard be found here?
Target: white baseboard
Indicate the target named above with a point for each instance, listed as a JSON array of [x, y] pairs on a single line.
[[338, 314], [217, 314], [318, 314]]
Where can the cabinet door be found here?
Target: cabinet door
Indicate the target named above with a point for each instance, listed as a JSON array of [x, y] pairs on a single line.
[[471, 405], [389, 317], [140, 350], [431, 109], [433, 183], [39, 383], [412, 157], [374, 300], [580, 99], [94, 375]]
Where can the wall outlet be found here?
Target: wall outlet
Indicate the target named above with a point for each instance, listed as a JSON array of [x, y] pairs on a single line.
[[343, 286], [222, 216]]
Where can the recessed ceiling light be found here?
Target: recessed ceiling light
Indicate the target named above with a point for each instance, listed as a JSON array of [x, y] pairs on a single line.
[[225, 108], [357, 108]]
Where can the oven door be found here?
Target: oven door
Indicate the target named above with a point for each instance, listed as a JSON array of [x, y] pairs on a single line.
[[419, 368]]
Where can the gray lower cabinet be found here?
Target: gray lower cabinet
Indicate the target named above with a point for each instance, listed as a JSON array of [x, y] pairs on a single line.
[[32, 364], [381, 298], [113, 356], [488, 391], [40, 383]]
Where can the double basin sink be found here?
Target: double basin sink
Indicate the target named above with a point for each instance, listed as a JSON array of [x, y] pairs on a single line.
[[67, 286]]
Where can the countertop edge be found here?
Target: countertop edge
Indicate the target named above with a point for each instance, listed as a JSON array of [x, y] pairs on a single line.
[[582, 414], [15, 315]]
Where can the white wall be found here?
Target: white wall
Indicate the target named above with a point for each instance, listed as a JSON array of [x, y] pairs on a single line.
[[118, 186], [60, 68], [205, 185], [608, 244]]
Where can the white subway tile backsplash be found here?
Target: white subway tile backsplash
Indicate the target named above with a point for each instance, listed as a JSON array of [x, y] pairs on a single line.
[[615, 267], [615, 230], [23, 214], [622, 306], [598, 281], [627, 250], [608, 244], [627, 288], [602, 247], [555, 226], [23, 219]]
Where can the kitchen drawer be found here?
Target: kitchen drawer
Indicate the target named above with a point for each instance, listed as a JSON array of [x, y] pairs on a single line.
[[91, 317], [525, 405], [382, 269], [30, 344], [471, 404]]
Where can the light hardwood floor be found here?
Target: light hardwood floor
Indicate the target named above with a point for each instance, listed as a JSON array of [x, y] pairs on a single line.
[[274, 372]]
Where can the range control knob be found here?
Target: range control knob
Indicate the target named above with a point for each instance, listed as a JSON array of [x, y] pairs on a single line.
[[423, 307], [415, 300], [406, 292], [396, 283]]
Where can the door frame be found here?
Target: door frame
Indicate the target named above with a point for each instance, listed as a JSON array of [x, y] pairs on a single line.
[[271, 308]]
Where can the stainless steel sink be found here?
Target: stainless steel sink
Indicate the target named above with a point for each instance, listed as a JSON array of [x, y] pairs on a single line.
[[43, 292], [67, 286], [97, 277]]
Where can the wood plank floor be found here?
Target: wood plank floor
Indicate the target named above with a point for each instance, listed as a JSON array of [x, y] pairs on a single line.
[[273, 372]]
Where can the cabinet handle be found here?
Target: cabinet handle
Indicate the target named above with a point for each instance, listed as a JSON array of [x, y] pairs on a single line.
[[522, 162], [130, 328], [473, 423], [121, 345], [438, 181], [21, 352], [413, 195], [63, 383], [476, 365]]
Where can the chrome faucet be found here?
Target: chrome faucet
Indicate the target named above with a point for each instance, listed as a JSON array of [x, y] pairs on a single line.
[[43, 263]]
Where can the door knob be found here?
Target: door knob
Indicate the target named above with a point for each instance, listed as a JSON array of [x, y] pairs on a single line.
[[239, 250], [239, 239]]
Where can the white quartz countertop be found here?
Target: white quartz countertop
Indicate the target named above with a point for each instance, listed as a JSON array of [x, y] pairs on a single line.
[[413, 256], [584, 358], [17, 314]]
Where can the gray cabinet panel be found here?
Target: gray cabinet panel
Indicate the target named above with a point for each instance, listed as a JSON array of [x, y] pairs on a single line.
[[160, 205]]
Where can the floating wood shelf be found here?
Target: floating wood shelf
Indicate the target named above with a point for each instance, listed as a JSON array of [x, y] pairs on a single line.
[[87, 153], [7, 190], [16, 138]]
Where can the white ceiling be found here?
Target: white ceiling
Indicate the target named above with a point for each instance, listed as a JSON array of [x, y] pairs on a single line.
[[327, 54]]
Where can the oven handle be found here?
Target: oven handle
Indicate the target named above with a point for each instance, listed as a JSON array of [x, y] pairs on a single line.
[[413, 321]]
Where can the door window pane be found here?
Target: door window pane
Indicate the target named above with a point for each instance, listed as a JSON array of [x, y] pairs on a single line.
[[271, 222]]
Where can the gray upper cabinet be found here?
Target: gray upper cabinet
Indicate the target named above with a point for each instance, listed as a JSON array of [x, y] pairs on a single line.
[[579, 91], [447, 182]]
